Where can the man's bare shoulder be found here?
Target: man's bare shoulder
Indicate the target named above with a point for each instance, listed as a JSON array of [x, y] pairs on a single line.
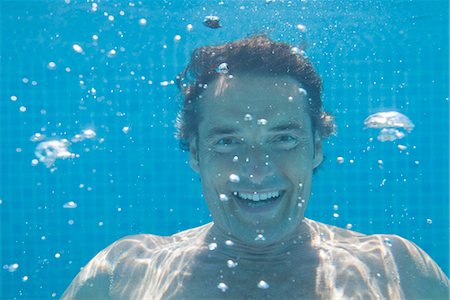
[[128, 258], [394, 260]]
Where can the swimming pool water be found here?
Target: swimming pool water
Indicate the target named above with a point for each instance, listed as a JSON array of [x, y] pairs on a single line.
[[108, 66]]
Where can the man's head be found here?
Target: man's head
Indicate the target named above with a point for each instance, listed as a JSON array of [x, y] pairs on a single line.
[[253, 123]]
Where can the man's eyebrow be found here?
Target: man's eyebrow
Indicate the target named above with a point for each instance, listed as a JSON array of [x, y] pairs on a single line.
[[221, 131], [287, 127]]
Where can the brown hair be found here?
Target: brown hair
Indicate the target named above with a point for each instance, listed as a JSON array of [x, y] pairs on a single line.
[[257, 54]]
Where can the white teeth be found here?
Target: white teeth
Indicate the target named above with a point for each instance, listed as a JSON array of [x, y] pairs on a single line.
[[258, 196]]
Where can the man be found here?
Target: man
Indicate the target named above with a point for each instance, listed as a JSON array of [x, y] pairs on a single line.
[[253, 123]]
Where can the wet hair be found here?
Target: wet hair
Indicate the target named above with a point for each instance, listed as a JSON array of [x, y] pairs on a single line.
[[257, 55]]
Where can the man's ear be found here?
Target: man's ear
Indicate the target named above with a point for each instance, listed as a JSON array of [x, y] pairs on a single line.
[[193, 155], [318, 154]]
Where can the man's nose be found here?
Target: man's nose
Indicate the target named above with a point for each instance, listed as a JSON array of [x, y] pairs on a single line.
[[257, 165]]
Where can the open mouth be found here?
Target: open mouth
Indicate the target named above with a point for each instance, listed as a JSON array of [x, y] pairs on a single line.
[[256, 199]]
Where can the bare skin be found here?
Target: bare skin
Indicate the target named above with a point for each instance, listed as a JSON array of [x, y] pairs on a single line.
[[325, 263], [255, 152]]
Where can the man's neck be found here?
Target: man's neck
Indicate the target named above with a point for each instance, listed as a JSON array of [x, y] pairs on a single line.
[[225, 245]]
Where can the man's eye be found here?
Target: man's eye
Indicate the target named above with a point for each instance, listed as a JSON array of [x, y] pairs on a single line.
[[285, 141], [226, 141]]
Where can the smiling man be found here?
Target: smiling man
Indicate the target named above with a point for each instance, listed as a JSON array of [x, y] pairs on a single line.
[[253, 124]]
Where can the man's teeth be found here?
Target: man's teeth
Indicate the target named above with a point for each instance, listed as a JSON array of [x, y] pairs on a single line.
[[258, 196]]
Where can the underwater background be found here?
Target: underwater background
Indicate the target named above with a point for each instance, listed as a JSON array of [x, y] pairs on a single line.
[[88, 103]]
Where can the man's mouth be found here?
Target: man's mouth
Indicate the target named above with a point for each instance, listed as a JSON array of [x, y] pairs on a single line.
[[258, 199]]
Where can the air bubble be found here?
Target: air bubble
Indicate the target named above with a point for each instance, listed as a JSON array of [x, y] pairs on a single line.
[[77, 48], [235, 159], [222, 286], [25, 278], [387, 242], [261, 122], [111, 53], [125, 129], [189, 27], [263, 285], [231, 264], [13, 98], [260, 237], [142, 22], [51, 65], [177, 38], [248, 117], [349, 226], [223, 197], [234, 178], [301, 27], [229, 243], [429, 221], [222, 68], [340, 159], [212, 246], [70, 204]]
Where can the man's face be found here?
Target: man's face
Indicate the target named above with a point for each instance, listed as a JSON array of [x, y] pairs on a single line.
[[255, 152]]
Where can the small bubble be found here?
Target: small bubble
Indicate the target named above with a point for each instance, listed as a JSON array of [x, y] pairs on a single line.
[[336, 215], [12, 268], [164, 83], [380, 163], [402, 147], [260, 237], [335, 207], [25, 278], [51, 65], [229, 243], [248, 117], [349, 226], [100, 223], [387, 242], [429, 221], [111, 18], [235, 159], [261, 122], [125, 129], [290, 98], [222, 68], [70, 204], [222, 286], [95, 37], [302, 91], [212, 246], [177, 38], [23, 109], [234, 178], [111, 53], [13, 98], [378, 275], [223, 197], [189, 27], [142, 22], [57, 255], [301, 27], [263, 285], [77, 48], [70, 222], [231, 264], [340, 159]]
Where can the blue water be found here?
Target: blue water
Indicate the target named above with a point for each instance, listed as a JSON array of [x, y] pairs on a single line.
[[372, 55]]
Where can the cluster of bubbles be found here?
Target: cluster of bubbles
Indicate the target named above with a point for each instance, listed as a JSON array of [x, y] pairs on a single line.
[[394, 125], [48, 151]]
